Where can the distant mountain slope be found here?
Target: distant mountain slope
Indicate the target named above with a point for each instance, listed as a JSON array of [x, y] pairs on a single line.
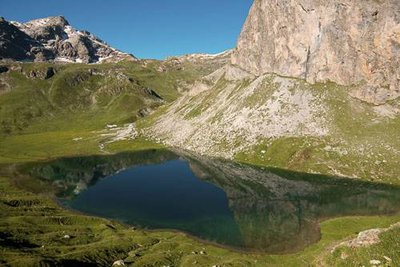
[[54, 39]]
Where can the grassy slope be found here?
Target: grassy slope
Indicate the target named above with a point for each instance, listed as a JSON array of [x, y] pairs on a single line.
[[360, 144], [67, 100], [113, 93]]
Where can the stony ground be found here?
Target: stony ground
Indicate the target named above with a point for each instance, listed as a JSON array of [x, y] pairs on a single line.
[[233, 114]]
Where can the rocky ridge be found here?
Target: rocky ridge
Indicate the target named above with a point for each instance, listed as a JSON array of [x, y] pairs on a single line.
[[54, 39], [207, 62], [223, 57]]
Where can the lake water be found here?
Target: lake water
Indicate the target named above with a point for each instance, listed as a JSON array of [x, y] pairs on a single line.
[[219, 201]]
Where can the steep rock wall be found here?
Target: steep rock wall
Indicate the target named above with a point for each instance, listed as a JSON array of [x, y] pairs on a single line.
[[350, 42]]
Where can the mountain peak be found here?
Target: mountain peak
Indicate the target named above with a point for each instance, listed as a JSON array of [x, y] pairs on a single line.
[[54, 39], [49, 21]]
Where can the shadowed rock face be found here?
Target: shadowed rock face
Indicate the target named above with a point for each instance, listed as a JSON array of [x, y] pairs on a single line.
[[347, 42], [13, 42], [53, 39]]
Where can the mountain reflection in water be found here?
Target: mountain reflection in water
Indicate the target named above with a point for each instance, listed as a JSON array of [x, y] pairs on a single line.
[[232, 204]]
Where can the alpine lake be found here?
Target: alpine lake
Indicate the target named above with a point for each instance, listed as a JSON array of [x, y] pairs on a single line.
[[234, 205]]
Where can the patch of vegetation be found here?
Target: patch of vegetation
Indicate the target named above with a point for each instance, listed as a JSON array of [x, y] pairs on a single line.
[[49, 145], [276, 153]]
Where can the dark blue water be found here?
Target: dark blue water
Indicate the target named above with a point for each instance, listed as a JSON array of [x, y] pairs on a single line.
[[165, 195]]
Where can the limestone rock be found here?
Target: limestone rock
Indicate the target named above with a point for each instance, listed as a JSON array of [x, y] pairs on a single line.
[[42, 74], [119, 263], [350, 42], [366, 238], [375, 262]]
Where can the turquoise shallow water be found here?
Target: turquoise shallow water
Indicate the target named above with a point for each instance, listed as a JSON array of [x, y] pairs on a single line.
[[232, 204]]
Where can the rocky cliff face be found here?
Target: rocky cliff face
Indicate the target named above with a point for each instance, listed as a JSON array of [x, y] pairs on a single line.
[[53, 39], [348, 42]]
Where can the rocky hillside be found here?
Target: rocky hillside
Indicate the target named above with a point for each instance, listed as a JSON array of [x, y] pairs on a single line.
[[287, 98], [347, 42], [219, 59], [54, 39]]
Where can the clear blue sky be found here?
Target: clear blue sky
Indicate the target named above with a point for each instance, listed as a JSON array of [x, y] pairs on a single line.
[[145, 28]]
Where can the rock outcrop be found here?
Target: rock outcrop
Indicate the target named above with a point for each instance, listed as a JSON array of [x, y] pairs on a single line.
[[219, 59], [348, 42], [53, 39]]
